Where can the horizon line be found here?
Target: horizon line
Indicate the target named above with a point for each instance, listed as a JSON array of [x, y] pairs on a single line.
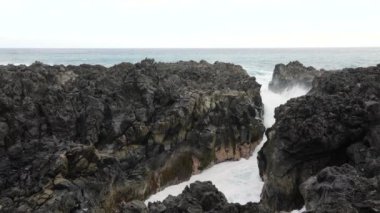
[[311, 47]]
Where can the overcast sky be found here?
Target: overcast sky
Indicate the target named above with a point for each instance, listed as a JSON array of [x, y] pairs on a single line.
[[189, 23]]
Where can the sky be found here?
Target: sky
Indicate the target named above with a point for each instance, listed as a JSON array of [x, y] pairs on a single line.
[[189, 23]]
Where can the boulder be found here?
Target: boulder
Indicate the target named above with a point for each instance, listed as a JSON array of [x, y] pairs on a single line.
[[202, 197], [135, 206], [293, 74]]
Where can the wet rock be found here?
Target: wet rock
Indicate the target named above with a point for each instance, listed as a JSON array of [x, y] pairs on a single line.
[[335, 123], [88, 138], [293, 74]]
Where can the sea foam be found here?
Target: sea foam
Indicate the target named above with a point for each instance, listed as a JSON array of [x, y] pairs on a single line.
[[238, 180]]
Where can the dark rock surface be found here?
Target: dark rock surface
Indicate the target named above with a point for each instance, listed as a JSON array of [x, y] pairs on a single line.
[[201, 197], [135, 206], [292, 74], [89, 138], [336, 123], [341, 189]]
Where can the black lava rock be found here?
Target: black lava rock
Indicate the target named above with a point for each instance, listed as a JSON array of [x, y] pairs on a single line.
[[89, 138], [336, 123]]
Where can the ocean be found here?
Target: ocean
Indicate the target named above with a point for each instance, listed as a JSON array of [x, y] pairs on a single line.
[[238, 180], [256, 61]]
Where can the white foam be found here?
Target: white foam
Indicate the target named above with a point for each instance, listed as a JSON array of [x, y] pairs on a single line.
[[272, 100], [238, 180], [303, 209]]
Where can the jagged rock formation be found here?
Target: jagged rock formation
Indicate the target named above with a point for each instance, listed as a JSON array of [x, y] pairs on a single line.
[[90, 138], [292, 74], [336, 123], [341, 189], [201, 197]]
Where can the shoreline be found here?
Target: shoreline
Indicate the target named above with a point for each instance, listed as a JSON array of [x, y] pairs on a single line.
[[131, 129]]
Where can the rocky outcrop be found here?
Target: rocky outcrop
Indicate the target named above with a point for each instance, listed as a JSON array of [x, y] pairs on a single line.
[[341, 189], [336, 123], [91, 138], [292, 74], [201, 197]]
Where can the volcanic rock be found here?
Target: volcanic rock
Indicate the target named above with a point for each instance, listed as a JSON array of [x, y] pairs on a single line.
[[201, 197], [336, 123], [90, 138], [341, 189], [293, 74]]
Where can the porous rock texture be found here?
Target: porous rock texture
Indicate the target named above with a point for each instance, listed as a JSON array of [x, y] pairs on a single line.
[[324, 149], [201, 197], [292, 74], [89, 138], [341, 189]]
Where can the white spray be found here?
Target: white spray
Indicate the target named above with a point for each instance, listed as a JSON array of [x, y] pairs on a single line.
[[238, 180]]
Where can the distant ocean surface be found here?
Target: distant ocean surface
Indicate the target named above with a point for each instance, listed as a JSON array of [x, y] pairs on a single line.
[[258, 62]]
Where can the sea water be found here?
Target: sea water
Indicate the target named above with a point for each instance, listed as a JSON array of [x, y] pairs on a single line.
[[256, 61], [238, 180]]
